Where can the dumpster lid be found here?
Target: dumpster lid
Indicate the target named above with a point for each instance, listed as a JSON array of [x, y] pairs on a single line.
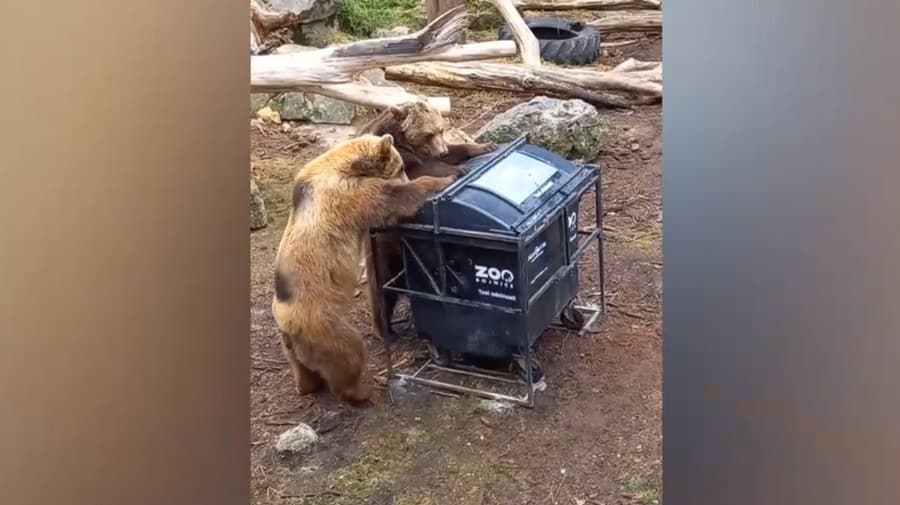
[[507, 191], [516, 177]]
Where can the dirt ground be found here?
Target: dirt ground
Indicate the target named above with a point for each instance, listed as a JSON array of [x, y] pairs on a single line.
[[595, 433]]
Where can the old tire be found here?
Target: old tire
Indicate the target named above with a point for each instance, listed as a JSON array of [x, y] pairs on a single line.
[[562, 41]]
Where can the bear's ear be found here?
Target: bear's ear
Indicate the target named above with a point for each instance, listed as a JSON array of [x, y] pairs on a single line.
[[400, 111], [385, 145]]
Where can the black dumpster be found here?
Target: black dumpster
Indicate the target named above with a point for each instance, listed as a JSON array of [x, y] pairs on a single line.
[[492, 260]]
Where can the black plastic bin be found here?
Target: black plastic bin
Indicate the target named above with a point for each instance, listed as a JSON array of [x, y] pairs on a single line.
[[492, 260]]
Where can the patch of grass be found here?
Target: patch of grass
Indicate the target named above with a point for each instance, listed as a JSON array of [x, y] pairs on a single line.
[[362, 18], [383, 461], [641, 490]]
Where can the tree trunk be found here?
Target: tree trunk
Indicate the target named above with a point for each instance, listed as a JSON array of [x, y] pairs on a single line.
[[633, 65], [628, 21], [599, 5], [434, 8], [589, 85], [267, 20], [529, 48], [255, 40], [336, 64], [287, 71], [379, 97]]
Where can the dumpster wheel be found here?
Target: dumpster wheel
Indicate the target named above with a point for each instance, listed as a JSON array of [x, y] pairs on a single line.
[[572, 318]]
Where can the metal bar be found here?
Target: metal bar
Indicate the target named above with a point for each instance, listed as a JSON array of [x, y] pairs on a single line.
[[564, 270], [523, 401], [526, 400], [453, 300], [469, 371], [445, 231], [385, 317], [584, 245], [522, 275], [598, 214], [421, 368], [442, 265], [456, 301], [528, 374], [435, 220], [591, 320], [387, 285], [421, 265]]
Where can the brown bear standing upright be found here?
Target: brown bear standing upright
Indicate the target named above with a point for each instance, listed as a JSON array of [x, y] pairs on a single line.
[[418, 130], [337, 197]]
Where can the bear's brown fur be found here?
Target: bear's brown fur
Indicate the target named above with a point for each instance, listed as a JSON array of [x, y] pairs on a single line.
[[337, 197], [418, 130]]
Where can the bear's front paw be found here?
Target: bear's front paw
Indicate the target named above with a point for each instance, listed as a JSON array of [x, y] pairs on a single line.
[[436, 184], [487, 148], [460, 170]]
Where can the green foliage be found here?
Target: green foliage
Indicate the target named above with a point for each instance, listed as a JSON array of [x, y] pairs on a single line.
[[641, 490], [362, 18], [483, 16]]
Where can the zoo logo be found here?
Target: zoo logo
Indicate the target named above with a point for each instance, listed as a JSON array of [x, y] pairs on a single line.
[[494, 276], [573, 220]]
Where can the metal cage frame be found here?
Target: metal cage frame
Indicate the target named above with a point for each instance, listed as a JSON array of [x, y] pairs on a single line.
[[439, 287]]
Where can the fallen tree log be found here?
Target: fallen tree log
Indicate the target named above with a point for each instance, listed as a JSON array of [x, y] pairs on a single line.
[[270, 27], [633, 65], [628, 21], [267, 20], [337, 64], [527, 42], [255, 40], [270, 77], [610, 89], [600, 5], [379, 97]]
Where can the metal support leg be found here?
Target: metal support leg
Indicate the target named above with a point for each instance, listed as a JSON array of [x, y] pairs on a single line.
[[530, 376], [385, 320], [598, 214]]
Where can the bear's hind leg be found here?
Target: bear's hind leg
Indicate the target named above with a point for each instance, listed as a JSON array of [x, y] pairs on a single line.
[[341, 361], [306, 380]]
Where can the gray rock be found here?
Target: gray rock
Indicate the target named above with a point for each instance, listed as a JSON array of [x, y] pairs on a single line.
[[313, 10], [259, 218], [571, 128], [396, 31], [319, 34], [297, 439], [375, 76], [259, 101], [295, 106]]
